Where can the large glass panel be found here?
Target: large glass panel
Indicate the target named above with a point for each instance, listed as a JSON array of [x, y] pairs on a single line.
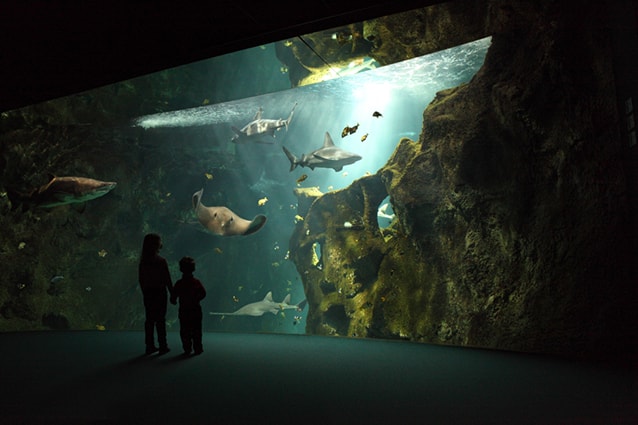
[[71, 247]]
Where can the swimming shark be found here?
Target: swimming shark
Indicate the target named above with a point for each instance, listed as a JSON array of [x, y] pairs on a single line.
[[63, 191], [259, 127], [328, 156], [267, 305]]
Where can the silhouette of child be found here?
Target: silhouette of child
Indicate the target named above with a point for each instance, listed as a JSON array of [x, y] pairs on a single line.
[[155, 282], [190, 291]]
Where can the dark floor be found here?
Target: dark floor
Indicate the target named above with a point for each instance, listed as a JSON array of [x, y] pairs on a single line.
[[101, 378]]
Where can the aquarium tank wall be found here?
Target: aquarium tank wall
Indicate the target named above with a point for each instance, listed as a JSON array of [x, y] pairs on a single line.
[[454, 175]]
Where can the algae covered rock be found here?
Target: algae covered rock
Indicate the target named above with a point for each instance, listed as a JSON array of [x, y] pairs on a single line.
[[511, 208]]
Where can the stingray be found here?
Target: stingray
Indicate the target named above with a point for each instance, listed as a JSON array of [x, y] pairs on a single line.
[[267, 305], [222, 221]]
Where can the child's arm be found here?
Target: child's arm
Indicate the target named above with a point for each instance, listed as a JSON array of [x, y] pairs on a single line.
[[201, 292], [175, 294]]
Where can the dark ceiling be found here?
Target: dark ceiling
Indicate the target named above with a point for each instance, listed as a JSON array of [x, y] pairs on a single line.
[[52, 49]]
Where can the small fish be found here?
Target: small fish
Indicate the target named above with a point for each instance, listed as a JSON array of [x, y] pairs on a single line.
[[275, 264], [208, 176], [218, 250], [347, 224], [21, 245], [302, 178], [21, 286], [377, 114], [364, 137], [330, 188], [168, 194], [88, 289], [235, 299], [287, 43], [344, 174], [57, 278], [297, 319], [239, 288], [262, 201], [298, 218], [349, 130], [206, 101], [102, 253], [100, 327]]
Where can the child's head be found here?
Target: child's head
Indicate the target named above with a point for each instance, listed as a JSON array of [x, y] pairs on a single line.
[[187, 265]]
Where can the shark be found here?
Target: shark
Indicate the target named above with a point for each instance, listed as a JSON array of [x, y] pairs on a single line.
[[63, 191], [267, 305], [328, 156], [255, 130]]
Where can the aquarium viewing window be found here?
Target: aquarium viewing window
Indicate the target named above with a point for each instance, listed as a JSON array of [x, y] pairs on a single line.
[[238, 130]]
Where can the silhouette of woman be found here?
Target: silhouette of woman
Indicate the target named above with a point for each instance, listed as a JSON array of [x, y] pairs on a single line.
[[155, 282]]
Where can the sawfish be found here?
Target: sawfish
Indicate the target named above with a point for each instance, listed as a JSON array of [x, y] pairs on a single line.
[[222, 221], [267, 305], [255, 130]]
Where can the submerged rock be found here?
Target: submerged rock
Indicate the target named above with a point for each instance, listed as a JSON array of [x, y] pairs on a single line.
[[511, 209]]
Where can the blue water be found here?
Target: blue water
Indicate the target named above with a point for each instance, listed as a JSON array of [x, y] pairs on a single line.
[[400, 92]]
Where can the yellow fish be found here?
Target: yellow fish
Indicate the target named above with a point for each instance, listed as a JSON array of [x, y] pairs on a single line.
[[298, 218], [102, 253], [100, 327], [206, 102], [218, 250], [364, 137], [209, 176], [302, 178], [262, 201], [235, 299]]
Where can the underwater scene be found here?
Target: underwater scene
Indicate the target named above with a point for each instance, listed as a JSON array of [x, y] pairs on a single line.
[[408, 177], [263, 157]]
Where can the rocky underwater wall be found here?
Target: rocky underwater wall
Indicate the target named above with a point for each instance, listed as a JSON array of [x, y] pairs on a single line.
[[512, 227]]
